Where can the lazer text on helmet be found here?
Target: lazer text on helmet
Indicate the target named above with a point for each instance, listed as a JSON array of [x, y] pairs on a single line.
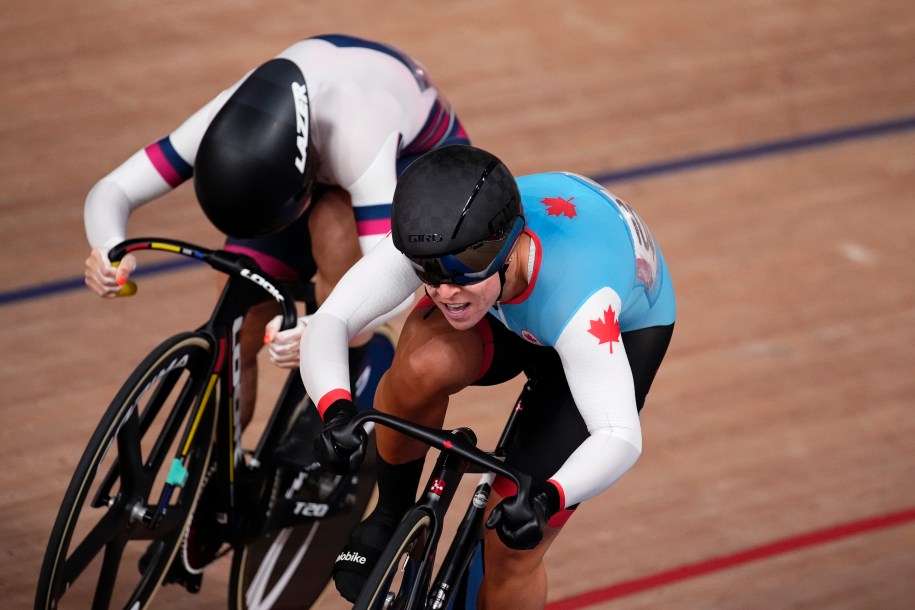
[[300, 96]]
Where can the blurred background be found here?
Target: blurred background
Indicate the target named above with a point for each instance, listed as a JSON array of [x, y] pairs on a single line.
[[770, 146]]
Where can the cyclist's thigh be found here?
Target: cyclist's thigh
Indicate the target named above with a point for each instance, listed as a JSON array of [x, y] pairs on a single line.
[[429, 343], [505, 353], [334, 237], [550, 430]]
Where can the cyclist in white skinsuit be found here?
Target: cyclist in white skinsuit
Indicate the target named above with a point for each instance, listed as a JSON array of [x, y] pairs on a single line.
[[550, 275], [365, 110], [296, 163]]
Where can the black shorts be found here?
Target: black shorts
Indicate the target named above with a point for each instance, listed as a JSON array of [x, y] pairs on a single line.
[[551, 427]]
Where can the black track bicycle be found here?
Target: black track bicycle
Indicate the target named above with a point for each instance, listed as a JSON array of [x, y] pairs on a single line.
[[403, 577], [168, 452]]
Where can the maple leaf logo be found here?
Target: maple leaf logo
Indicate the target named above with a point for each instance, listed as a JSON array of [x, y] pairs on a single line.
[[607, 330], [557, 206], [530, 338]]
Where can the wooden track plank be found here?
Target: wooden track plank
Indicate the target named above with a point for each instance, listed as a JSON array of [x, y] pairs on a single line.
[[784, 404]]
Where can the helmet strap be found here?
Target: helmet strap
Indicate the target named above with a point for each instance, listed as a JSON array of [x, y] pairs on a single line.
[[502, 271], [431, 309]]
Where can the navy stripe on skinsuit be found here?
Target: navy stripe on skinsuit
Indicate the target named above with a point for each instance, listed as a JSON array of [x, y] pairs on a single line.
[[372, 212], [181, 166]]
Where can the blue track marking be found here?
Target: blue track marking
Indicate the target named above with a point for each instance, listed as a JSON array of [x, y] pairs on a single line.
[[39, 291], [764, 149], [735, 155]]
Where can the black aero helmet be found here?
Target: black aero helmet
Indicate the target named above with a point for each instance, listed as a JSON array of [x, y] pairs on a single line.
[[255, 166], [456, 215]]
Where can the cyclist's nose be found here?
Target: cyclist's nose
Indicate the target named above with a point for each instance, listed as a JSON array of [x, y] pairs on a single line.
[[447, 290]]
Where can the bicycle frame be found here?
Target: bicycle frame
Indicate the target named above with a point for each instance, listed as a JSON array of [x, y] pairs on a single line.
[[167, 451], [458, 455], [247, 285]]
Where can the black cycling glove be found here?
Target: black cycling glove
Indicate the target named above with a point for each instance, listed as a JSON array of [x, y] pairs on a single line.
[[522, 529], [337, 450]]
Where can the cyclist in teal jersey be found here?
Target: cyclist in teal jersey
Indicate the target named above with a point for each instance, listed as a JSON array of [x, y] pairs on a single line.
[[549, 275]]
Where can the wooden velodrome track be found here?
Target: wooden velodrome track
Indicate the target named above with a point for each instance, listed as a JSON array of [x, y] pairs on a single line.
[[772, 149]]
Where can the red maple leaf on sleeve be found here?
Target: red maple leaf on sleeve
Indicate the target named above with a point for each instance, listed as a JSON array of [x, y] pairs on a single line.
[[557, 206], [606, 329]]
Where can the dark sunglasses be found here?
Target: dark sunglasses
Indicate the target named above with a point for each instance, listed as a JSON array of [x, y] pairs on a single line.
[[472, 265]]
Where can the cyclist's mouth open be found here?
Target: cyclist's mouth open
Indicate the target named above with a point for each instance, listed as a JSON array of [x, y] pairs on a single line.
[[455, 311]]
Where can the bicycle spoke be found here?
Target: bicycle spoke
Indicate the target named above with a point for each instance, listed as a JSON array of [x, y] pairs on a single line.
[[95, 540], [130, 459], [103, 495], [257, 595], [160, 394], [158, 453], [109, 573]]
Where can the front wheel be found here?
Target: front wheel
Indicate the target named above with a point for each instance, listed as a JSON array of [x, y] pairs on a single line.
[[400, 579], [135, 485]]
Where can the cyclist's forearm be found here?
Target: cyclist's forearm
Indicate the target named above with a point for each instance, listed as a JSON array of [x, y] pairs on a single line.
[[105, 214], [324, 363], [374, 287], [580, 478]]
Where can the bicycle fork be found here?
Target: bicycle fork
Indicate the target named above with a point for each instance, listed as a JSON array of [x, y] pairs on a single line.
[[470, 529], [457, 560]]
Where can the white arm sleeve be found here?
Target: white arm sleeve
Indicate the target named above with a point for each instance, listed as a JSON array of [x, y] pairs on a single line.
[[137, 181], [387, 317], [114, 197], [381, 281], [599, 376], [374, 187], [399, 309]]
